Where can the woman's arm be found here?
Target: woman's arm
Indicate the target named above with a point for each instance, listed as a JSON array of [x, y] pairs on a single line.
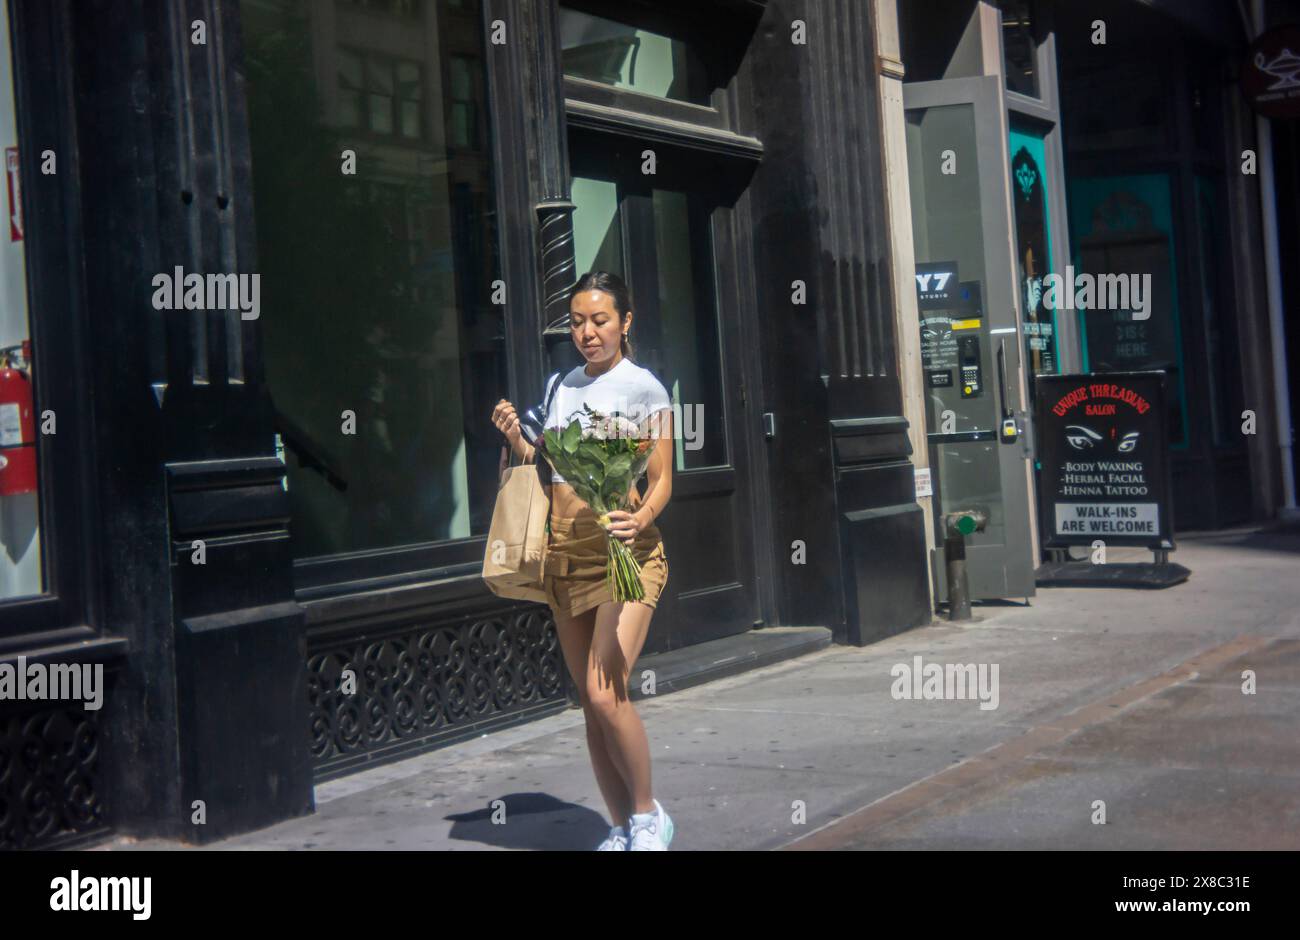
[[659, 473], [527, 452]]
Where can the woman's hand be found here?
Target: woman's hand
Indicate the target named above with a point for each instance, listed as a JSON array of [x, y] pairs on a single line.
[[507, 422], [625, 525]]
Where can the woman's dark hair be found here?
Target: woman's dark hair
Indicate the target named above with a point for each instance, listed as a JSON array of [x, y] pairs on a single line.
[[610, 284]]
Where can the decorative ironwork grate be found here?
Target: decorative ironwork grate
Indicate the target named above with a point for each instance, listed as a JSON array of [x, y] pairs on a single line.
[[416, 687], [50, 787]]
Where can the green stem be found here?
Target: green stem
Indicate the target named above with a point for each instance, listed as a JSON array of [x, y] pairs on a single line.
[[623, 572]]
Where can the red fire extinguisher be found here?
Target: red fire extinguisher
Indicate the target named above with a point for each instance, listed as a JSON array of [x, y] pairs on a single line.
[[17, 425]]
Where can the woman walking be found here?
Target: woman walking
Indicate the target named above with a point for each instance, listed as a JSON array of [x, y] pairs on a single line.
[[601, 638]]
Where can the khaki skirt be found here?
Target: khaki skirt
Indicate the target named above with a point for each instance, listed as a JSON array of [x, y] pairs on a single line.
[[577, 554]]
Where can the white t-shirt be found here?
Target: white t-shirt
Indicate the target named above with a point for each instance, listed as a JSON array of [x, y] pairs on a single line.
[[626, 389]]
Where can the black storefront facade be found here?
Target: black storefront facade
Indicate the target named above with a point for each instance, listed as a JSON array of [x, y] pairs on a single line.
[[266, 521]]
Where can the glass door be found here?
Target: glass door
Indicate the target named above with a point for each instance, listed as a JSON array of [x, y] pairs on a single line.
[[971, 335], [1033, 231]]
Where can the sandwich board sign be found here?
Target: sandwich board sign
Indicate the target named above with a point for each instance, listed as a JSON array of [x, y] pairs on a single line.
[[1102, 446]]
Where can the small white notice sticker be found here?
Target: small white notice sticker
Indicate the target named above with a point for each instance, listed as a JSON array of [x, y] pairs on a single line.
[[923, 487], [11, 427]]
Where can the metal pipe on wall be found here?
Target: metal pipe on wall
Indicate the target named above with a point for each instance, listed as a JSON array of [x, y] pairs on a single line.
[[1273, 276]]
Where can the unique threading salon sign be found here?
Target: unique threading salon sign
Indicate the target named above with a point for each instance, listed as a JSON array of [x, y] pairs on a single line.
[[1103, 452]]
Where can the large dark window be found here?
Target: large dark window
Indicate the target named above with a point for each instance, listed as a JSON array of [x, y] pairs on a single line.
[[20, 511], [49, 545], [377, 249]]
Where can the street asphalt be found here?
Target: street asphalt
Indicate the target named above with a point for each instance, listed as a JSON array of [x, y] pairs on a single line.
[[1121, 723]]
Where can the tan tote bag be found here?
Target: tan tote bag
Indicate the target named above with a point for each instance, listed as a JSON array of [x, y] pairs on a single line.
[[515, 556]]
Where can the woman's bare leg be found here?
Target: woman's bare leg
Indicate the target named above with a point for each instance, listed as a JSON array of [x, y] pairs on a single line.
[[620, 632], [575, 641]]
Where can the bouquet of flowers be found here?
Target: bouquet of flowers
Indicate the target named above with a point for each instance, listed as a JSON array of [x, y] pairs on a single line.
[[602, 462]]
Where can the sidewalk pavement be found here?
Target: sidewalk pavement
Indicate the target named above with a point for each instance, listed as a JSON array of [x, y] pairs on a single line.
[[1129, 697]]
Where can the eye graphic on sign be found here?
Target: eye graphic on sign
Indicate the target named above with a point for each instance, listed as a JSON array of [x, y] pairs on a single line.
[[934, 329], [1128, 442], [1081, 438]]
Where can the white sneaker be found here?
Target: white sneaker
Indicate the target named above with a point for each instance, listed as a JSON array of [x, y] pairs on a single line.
[[616, 841], [653, 835]]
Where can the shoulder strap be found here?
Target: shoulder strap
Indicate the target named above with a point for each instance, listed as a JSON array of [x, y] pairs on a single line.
[[551, 386]]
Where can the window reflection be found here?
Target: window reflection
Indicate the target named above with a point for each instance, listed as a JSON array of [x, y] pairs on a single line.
[[373, 198], [674, 328], [1125, 224], [1019, 46], [690, 335], [618, 54], [597, 226], [20, 518]]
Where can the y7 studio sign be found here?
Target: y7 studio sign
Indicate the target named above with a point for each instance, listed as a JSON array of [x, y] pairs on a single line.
[[1103, 450]]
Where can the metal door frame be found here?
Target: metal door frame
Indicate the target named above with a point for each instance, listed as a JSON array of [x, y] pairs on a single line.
[[1013, 574]]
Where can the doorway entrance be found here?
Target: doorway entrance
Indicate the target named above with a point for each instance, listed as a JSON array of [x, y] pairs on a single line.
[[669, 235]]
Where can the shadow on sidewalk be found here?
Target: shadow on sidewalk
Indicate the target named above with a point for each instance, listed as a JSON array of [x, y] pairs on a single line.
[[530, 821]]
